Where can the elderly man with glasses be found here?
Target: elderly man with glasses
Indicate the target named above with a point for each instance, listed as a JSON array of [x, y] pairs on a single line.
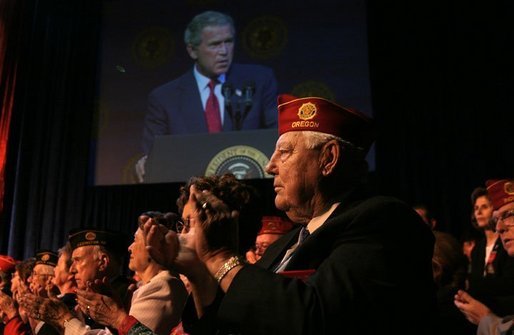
[[501, 193]]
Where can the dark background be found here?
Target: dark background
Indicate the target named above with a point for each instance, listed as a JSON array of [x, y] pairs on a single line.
[[441, 89]]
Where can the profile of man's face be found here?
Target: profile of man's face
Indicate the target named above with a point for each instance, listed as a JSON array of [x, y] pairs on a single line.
[[296, 171], [506, 228], [41, 275], [85, 266], [214, 54]]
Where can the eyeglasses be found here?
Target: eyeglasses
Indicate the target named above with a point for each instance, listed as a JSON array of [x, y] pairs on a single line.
[[261, 246], [35, 274], [183, 226], [507, 218]]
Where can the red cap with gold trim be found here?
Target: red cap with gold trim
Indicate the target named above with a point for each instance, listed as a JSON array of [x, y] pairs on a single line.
[[500, 191], [321, 115], [7, 263], [275, 225]]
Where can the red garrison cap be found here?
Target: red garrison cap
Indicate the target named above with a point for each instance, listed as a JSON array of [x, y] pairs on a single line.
[[275, 225], [7, 263], [500, 191], [319, 114]]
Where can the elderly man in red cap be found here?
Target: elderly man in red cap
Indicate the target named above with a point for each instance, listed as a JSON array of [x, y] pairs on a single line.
[[7, 266], [501, 193], [346, 268], [272, 228]]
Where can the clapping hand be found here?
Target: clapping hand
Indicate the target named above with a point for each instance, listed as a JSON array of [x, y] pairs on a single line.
[[102, 308], [49, 310], [472, 309], [8, 308], [161, 242]]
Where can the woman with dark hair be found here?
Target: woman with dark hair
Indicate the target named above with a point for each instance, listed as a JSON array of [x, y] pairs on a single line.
[[238, 196]]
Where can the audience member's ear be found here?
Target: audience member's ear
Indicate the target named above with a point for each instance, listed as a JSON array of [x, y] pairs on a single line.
[[329, 157], [104, 262]]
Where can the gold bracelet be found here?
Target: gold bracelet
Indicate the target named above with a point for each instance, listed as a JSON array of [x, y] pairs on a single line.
[[227, 266]]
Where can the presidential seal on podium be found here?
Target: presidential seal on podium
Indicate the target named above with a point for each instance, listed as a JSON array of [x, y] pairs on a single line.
[[242, 161]]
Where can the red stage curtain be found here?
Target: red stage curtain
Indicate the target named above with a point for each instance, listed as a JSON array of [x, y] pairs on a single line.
[[8, 67]]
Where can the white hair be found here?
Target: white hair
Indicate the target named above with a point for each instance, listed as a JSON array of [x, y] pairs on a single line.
[[314, 139]]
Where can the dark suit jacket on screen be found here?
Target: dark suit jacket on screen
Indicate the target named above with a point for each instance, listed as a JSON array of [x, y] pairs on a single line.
[[176, 107]]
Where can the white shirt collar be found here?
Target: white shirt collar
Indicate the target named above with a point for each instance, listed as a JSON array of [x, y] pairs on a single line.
[[202, 81], [319, 220]]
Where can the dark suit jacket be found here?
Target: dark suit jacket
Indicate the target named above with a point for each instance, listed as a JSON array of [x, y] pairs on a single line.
[[47, 329], [373, 275], [496, 290], [176, 107]]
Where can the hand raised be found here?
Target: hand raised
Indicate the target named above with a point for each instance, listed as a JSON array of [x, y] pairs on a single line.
[[101, 308]]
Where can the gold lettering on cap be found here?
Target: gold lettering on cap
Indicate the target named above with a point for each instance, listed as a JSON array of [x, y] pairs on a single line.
[[90, 236], [307, 111], [304, 124]]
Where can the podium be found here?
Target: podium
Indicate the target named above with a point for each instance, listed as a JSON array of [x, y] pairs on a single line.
[[176, 158]]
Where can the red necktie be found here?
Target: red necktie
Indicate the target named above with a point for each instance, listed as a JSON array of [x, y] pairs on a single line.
[[212, 110]]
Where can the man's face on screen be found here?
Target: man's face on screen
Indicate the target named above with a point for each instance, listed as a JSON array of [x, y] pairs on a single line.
[[213, 56]]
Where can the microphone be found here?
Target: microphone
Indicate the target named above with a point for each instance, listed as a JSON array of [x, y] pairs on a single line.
[[248, 91], [227, 90]]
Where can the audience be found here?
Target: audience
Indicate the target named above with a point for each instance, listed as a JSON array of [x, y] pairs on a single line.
[[159, 300], [354, 265], [341, 254], [226, 187], [501, 193], [7, 264], [41, 285], [491, 275], [96, 265], [15, 317], [43, 272], [160, 296], [63, 278]]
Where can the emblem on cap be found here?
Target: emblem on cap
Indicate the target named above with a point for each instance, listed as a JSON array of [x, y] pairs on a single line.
[[307, 111], [90, 236], [45, 257], [509, 188]]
